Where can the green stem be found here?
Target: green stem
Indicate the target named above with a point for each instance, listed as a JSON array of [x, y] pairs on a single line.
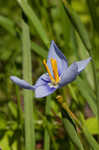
[[92, 10], [28, 95], [74, 18], [46, 132], [19, 117], [96, 87], [91, 141]]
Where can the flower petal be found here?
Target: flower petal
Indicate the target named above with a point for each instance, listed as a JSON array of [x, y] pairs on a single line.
[[43, 79], [44, 90], [42, 87], [55, 53], [69, 74], [22, 83], [82, 64]]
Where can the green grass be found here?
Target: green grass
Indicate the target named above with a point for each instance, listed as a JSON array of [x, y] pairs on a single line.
[[26, 30]]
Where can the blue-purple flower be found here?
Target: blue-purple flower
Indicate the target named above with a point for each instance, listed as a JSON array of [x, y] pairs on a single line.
[[58, 73]]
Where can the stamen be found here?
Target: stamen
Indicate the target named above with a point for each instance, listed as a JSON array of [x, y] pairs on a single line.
[[55, 69], [46, 66]]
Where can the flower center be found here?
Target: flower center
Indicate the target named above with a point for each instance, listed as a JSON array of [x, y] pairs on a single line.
[[55, 80]]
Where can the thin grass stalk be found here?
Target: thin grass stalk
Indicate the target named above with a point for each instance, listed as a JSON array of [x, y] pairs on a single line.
[[71, 130], [72, 133], [38, 50], [65, 23], [19, 119], [84, 37], [8, 24], [35, 21], [46, 132], [92, 10], [96, 86], [79, 27], [28, 95]]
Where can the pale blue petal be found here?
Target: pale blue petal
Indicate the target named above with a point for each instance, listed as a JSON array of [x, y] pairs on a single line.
[[55, 53], [43, 90], [42, 80], [69, 74], [82, 64], [22, 83]]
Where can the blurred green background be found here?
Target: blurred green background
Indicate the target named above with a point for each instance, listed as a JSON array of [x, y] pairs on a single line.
[[77, 37]]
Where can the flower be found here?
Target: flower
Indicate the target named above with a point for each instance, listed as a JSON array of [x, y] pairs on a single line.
[[58, 73]]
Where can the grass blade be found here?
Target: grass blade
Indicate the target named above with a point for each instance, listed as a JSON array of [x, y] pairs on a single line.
[[46, 132], [65, 23], [92, 142], [72, 133], [87, 95], [7, 24], [92, 9], [75, 20], [39, 50], [35, 21], [19, 119], [95, 20], [28, 95]]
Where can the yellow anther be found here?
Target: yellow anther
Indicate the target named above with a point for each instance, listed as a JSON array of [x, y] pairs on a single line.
[[46, 66], [55, 69]]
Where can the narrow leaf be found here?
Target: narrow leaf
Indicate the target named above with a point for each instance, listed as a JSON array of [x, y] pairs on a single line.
[[75, 20], [92, 142], [39, 50], [46, 132], [8, 24], [35, 21], [92, 9], [65, 23], [87, 95], [28, 95], [72, 133]]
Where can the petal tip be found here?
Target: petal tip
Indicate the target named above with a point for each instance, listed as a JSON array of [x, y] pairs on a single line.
[[83, 63], [13, 78], [52, 42], [22, 83]]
